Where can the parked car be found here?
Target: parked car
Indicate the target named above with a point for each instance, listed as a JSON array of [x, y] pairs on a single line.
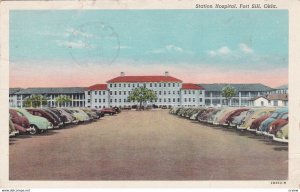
[[278, 124], [93, 115], [46, 115], [67, 117], [109, 111], [282, 135], [229, 115], [237, 120], [256, 123], [204, 115], [78, 114], [279, 113], [194, 116], [37, 124], [223, 114], [55, 116], [118, 110], [210, 116], [98, 112], [164, 107], [20, 120], [256, 113]]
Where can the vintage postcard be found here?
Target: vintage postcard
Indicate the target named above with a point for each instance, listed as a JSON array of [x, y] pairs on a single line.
[[122, 93]]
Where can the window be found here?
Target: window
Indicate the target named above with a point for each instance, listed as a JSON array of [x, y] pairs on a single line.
[[120, 100], [110, 92], [193, 92], [275, 102], [89, 101], [103, 100], [173, 84], [99, 92], [124, 84], [87, 93], [120, 93], [185, 92], [133, 85], [128, 84], [189, 91], [169, 84], [200, 99], [150, 84], [184, 99], [159, 92], [178, 92], [193, 99], [120, 84], [99, 100], [124, 92], [178, 100], [165, 100], [173, 92], [159, 100], [165, 84], [95, 100], [155, 84], [200, 92], [159, 84], [169, 92], [165, 93], [169, 100], [110, 85], [116, 100], [115, 85], [189, 99], [111, 100], [95, 92], [116, 93], [124, 100], [173, 99], [262, 103]]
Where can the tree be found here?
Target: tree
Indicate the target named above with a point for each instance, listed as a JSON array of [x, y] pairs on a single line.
[[62, 99], [142, 95], [35, 101], [228, 92]]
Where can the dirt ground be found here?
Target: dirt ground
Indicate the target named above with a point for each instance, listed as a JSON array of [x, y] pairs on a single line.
[[148, 145]]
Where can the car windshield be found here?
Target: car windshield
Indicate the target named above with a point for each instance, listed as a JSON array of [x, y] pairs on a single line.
[[274, 115], [25, 113]]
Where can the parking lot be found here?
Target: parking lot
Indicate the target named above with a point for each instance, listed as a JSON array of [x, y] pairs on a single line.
[[146, 145]]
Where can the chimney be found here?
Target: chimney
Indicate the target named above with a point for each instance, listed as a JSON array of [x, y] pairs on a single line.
[[166, 73], [122, 74]]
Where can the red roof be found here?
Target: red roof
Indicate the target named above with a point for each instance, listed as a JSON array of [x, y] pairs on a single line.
[[143, 79], [97, 87], [191, 86]]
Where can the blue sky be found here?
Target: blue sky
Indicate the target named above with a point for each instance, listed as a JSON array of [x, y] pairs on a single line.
[[235, 39]]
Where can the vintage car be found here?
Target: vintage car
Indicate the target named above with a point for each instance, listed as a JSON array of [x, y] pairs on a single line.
[[238, 119], [37, 124], [282, 134], [12, 130], [66, 117], [264, 126], [109, 111], [211, 116], [278, 124], [256, 123], [118, 110], [20, 121], [46, 115], [98, 112], [223, 114], [227, 119], [93, 115], [202, 117], [78, 114], [256, 113], [194, 116], [55, 116]]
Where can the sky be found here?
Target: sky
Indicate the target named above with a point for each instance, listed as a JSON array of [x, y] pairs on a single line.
[[55, 48]]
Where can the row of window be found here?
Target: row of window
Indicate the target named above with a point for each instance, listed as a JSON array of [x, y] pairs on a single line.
[[144, 84], [157, 100]]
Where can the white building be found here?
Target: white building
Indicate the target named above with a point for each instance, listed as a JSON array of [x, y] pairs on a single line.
[[274, 100], [170, 91]]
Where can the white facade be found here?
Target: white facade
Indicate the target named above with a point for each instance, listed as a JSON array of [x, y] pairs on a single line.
[[97, 98], [262, 101], [192, 97]]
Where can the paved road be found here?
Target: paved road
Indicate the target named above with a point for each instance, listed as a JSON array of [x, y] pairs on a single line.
[[150, 145]]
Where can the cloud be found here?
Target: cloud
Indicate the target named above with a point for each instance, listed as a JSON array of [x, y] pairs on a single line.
[[221, 51], [245, 48], [170, 49], [75, 44], [76, 33]]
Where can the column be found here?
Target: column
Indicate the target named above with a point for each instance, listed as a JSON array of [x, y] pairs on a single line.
[[240, 99]]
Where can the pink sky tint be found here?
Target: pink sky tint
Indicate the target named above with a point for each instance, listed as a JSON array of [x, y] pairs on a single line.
[[77, 76]]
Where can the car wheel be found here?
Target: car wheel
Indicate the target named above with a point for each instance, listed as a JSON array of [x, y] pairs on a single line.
[[33, 130]]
